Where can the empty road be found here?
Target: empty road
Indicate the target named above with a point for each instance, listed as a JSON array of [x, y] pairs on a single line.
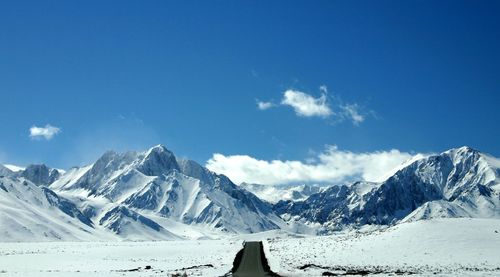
[[253, 262]]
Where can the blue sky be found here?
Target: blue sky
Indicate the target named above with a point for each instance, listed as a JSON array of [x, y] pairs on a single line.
[[416, 76]]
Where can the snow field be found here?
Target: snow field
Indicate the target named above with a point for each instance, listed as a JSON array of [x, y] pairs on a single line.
[[196, 258], [442, 246]]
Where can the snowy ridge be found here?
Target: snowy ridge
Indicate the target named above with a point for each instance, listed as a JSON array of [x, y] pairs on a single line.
[[33, 213], [5, 171], [13, 168], [460, 182], [153, 195]]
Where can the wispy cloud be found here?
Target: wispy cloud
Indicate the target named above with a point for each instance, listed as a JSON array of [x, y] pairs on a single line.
[[323, 89], [324, 106], [305, 104], [262, 105], [330, 166], [47, 132], [352, 112]]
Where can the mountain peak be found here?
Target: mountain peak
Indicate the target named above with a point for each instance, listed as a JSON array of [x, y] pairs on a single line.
[[158, 148], [37, 166], [462, 153], [40, 174], [157, 161], [462, 150], [108, 155]]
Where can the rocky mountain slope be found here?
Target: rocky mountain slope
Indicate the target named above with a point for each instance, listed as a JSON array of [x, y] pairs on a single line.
[[153, 195], [36, 213], [457, 183]]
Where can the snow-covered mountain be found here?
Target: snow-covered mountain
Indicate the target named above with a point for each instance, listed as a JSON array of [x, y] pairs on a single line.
[[40, 174], [153, 195], [276, 193], [457, 183], [4, 171], [35, 213]]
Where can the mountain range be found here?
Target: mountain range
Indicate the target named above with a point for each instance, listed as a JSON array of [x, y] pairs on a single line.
[[457, 183], [153, 195]]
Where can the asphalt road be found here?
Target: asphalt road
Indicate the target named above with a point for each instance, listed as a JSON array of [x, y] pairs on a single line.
[[253, 262]]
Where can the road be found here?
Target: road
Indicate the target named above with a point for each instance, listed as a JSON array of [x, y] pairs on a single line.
[[253, 261]]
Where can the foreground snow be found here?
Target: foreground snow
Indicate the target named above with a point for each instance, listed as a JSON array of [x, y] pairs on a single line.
[[196, 258], [442, 246]]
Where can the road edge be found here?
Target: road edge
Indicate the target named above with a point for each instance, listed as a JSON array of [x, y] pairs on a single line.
[[272, 262]]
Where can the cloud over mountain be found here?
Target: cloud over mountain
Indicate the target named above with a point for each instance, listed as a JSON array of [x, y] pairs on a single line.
[[332, 165]]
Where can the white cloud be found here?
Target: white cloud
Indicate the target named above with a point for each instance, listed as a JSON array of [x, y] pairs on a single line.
[[305, 104], [262, 105], [352, 111], [326, 106], [323, 89], [330, 166], [47, 132]]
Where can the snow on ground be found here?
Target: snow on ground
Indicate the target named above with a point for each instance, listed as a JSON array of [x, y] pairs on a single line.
[[446, 247], [196, 258], [443, 246]]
